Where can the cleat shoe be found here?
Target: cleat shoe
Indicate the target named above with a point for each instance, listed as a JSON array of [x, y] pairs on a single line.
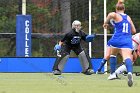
[[89, 72], [57, 72], [113, 76], [99, 72], [130, 79], [125, 73]]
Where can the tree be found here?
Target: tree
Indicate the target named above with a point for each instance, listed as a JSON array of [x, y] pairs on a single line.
[[66, 15]]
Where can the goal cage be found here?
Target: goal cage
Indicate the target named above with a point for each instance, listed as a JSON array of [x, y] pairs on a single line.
[[51, 19]]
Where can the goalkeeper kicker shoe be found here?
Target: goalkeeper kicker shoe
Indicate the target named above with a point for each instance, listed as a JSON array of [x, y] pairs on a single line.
[[89, 72], [57, 72]]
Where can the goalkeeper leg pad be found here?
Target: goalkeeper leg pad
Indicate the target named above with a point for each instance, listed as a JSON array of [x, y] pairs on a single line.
[[60, 62], [86, 63]]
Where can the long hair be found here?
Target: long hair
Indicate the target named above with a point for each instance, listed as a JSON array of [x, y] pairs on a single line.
[[120, 6]]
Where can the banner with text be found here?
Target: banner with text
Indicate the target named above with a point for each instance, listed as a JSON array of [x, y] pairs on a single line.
[[23, 35]]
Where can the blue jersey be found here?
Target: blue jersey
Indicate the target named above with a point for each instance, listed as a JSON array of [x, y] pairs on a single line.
[[122, 34]]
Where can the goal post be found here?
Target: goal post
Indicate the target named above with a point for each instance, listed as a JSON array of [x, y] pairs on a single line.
[[105, 35], [23, 33], [90, 46]]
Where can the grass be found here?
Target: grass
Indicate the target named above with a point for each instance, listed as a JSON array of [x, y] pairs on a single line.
[[66, 83], [136, 68]]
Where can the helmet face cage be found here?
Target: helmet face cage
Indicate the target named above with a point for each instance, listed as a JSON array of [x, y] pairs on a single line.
[[76, 25]]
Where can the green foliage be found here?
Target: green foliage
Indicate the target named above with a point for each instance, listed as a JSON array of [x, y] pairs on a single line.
[[46, 20], [7, 16], [43, 21]]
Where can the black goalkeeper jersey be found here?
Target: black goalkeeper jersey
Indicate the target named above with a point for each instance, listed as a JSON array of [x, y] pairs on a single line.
[[73, 38]]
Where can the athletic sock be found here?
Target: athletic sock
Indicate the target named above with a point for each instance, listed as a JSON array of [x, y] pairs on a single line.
[[113, 62], [102, 64], [129, 65]]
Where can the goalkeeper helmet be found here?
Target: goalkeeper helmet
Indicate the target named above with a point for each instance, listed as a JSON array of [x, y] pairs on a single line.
[[76, 25]]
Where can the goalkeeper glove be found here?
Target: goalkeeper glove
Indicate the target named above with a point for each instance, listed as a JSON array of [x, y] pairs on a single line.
[[57, 47], [89, 38]]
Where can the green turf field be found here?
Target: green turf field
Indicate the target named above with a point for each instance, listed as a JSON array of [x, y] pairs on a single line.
[[66, 83]]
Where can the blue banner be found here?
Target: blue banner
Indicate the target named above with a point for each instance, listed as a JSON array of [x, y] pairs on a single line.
[[31, 64], [23, 35]]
